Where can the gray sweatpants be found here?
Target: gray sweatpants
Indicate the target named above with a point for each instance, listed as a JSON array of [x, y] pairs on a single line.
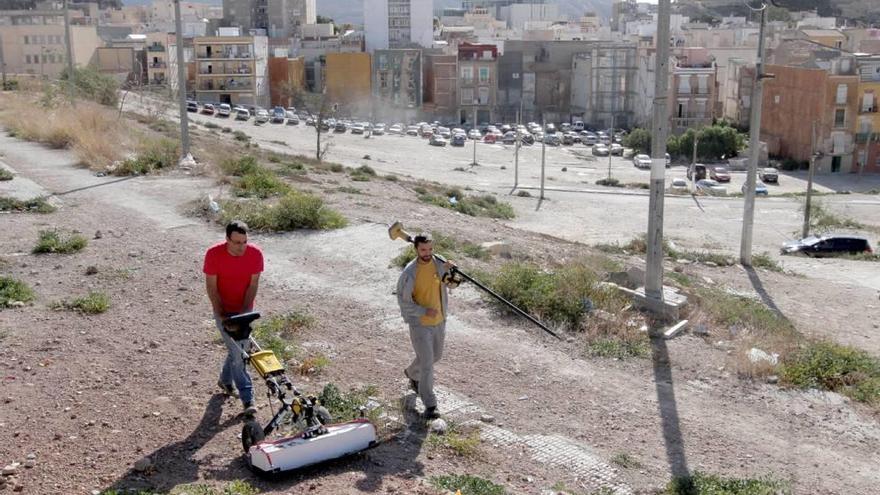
[[427, 341]]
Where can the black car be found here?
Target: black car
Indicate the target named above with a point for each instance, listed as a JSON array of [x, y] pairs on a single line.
[[828, 245], [192, 106], [458, 140]]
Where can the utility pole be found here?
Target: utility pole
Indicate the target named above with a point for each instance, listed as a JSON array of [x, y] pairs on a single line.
[[807, 203], [71, 85], [516, 152], [654, 256], [181, 83], [2, 65], [474, 163], [543, 157], [745, 248], [612, 142]]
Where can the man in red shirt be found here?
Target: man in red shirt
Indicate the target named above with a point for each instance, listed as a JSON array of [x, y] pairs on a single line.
[[232, 276]]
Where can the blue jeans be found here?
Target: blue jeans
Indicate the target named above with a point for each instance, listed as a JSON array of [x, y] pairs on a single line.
[[234, 367]]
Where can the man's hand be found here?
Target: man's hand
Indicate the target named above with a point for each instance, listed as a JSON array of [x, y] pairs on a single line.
[[449, 265], [430, 312]]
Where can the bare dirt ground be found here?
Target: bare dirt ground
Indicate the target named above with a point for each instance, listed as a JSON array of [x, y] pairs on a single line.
[[90, 395]]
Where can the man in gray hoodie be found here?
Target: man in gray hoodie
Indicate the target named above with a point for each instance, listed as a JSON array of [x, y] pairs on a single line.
[[421, 295]]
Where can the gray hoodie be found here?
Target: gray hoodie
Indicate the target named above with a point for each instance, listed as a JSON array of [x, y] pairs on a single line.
[[409, 309]]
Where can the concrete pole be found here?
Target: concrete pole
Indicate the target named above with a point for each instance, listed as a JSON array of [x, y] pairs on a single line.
[[745, 248], [654, 256], [516, 154], [612, 142], [807, 202], [181, 82], [71, 87], [474, 163], [543, 157], [2, 65]]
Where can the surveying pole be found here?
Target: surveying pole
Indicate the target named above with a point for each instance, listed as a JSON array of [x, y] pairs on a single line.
[[745, 248], [654, 256], [181, 83]]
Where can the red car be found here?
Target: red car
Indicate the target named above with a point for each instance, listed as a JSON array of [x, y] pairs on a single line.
[[490, 138], [720, 174]]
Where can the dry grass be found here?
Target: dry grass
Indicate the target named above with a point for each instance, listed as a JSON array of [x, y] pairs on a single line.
[[92, 131]]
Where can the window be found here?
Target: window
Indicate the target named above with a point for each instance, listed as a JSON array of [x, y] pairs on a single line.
[[868, 102], [684, 84], [703, 84], [467, 96], [467, 75], [484, 95], [27, 59], [484, 74], [840, 117], [841, 94], [26, 40]]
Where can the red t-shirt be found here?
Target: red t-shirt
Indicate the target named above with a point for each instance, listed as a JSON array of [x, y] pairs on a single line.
[[233, 273]]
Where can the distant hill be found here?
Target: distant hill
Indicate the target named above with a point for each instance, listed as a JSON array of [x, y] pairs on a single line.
[[864, 11]]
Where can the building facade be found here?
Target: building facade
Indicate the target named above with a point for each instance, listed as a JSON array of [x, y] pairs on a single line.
[[603, 85], [232, 69], [441, 86], [277, 18], [347, 80], [397, 84], [398, 24], [868, 125], [692, 90], [33, 41], [477, 83]]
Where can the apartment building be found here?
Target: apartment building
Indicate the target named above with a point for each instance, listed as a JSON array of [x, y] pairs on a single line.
[[276, 18], [33, 41], [398, 24], [692, 90], [868, 125], [603, 84], [441, 86], [477, 83], [347, 79], [397, 83], [232, 69]]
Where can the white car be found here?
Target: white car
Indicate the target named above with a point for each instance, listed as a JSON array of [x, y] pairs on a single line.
[[678, 186], [475, 135], [395, 129], [711, 187], [357, 128], [642, 161], [616, 149], [242, 114], [412, 130], [224, 110], [261, 116]]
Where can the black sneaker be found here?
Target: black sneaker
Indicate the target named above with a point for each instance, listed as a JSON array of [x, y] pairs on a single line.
[[227, 388], [249, 409], [431, 413]]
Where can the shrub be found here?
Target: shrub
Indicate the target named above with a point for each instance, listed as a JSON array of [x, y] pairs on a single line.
[[270, 338], [462, 444], [611, 182], [35, 205], [446, 246], [94, 85], [705, 484], [476, 206], [345, 406], [619, 348], [240, 136], [51, 241], [12, 290], [154, 154], [838, 368], [211, 125], [293, 211], [764, 260], [5, 174], [468, 484], [260, 183], [239, 166], [93, 303], [523, 194], [639, 140], [734, 310]]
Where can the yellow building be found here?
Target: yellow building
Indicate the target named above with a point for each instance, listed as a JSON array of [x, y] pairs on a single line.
[[347, 79], [828, 37], [33, 41]]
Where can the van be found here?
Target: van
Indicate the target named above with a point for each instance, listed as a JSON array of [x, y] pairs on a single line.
[[696, 172], [578, 126]]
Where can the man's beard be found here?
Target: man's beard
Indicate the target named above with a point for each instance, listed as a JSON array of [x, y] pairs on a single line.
[[425, 258]]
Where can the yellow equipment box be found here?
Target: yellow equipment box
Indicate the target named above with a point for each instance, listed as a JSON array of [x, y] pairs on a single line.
[[266, 363]]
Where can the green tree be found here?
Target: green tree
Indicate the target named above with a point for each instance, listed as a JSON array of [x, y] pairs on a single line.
[[639, 140], [713, 142]]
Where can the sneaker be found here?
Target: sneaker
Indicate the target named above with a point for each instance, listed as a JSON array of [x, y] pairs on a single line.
[[413, 384], [249, 409], [431, 413], [227, 388]]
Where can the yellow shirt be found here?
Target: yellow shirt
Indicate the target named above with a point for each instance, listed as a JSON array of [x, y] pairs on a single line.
[[426, 292]]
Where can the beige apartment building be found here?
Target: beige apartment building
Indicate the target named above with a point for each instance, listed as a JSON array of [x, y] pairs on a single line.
[[232, 69], [33, 41]]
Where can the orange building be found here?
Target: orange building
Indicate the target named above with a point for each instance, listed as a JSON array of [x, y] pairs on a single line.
[[286, 77], [347, 80]]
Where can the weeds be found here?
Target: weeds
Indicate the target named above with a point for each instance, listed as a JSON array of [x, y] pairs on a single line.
[[829, 366], [295, 210], [239, 166], [609, 182], [91, 304], [288, 324], [154, 154], [626, 461], [763, 260], [523, 194], [35, 205], [680, 278], [277, 333], [261, 183], [705, 484], [349, 190], [236, 487], [346, 406], [561, 296], [746, 313], [468, 484], [313, 364], [822, 220], [364, 173], [476, 206], [51, 241], [461, 443], [12, 290], [5, 174], [639, 245], [446, 246], [619, 348], [391, 178], [240, 137]]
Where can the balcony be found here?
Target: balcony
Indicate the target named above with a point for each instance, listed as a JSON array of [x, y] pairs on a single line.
[[156, 47], [865, 110], [230, 85], [691, 121], [224, 55], [226, 70], [158, 65]]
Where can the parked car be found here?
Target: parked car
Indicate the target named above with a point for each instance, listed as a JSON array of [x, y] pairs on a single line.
[[475, 134], [678, 186], [588, 138], [578, 126], [526, 138], [378, 129], [552, 139], [437, 140], [444, 132], [278, 114], [459, 139], [600, 150], [509, 138], [208, 109], [760, 189], [696, 172], [568, 139], [192, 106], [616, 149], [358, 128], [261, 116], [395, 129], [720, 174], [412, 130], [292, 118], [711, 188], [242, 114], [828, 245], [490, 138], [550, 129], [642, 161], [224, 110], [769, 174]]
